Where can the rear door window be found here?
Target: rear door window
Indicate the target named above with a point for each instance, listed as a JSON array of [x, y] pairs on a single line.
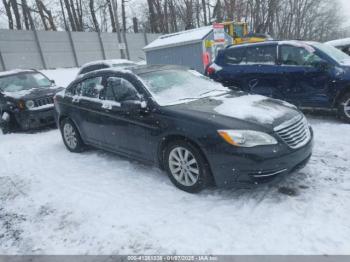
[[235, 56], [262, 55], [90, 88]]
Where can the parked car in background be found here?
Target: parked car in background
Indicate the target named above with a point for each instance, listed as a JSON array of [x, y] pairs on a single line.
[[26, 100], [342, 44], [197, 130], [306, 74], [102, 64]]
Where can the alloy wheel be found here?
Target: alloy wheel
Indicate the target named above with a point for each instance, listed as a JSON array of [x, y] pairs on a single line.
[[70, 136], [183, 166], [347, 108]]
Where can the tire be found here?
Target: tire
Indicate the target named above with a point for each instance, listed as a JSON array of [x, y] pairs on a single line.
[[5, 129], [5, 124], [71, 137], [187, 169], [344, 108]]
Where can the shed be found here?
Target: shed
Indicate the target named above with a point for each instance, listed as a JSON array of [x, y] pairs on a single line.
[[193, 48]]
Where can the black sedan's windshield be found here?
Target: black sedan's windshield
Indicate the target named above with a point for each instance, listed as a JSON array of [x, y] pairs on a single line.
[[23, 81], [178, 86]]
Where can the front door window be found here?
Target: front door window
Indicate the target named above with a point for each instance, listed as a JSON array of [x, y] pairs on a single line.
[[298, 56], [120, 90]]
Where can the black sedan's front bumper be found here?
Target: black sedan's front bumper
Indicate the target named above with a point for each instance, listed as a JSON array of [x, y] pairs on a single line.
[[252, 166], [33, 119]]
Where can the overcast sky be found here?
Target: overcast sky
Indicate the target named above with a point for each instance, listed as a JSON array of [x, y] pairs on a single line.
[[346, 5]]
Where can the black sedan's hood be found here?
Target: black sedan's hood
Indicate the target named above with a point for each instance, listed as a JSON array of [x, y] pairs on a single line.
[[240, 107], [34, 93]]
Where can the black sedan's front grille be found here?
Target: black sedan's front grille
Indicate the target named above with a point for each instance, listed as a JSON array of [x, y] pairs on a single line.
[[43, 101], [295, 133]]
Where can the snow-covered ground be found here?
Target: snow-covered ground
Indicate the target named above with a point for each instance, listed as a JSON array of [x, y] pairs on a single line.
[[56, 202]]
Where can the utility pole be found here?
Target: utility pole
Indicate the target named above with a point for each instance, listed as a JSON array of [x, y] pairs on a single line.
[[120, 42]]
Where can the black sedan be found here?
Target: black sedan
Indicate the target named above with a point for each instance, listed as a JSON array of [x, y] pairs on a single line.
[[26, 100], [200, 132]]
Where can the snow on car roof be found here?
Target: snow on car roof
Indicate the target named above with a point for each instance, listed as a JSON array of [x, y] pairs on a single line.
[[109, 62], [15, 71], [183, 37], [339, 42]]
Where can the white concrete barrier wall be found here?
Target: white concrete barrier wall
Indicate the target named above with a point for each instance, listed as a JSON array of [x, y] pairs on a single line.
[[19, 49]]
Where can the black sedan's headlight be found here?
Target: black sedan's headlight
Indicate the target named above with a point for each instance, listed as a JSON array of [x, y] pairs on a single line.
[[247, 138]]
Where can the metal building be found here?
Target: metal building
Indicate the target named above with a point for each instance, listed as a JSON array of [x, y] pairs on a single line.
[[193, 48]]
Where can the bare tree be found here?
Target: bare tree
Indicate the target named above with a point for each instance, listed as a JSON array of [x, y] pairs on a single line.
[[93, 15], [70, 15], [204, 8], [16, 13], [111, 15], [124, 14], [284, 19], [25, 15], [7, 6]]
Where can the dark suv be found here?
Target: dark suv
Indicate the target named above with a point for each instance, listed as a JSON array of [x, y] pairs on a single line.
[[26, 100], [196, 129], [306, 74]]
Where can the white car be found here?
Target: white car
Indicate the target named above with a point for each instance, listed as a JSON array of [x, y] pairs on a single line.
[[101, 64], [342, 44]]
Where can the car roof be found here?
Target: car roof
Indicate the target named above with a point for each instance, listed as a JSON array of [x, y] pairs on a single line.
[[108, 62], [16, 71], [137, 70], [143, 69], [339, 42], [272, 42]]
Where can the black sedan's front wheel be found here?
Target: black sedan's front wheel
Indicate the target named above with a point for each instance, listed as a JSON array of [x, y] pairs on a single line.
[[186, 167], [71, 136]]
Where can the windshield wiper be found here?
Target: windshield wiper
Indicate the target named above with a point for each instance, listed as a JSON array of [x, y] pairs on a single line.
[[214, 90], [188, 98]]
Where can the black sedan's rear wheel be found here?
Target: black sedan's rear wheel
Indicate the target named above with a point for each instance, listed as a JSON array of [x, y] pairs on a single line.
[[71, 136], [186, 167], [344, 107]]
